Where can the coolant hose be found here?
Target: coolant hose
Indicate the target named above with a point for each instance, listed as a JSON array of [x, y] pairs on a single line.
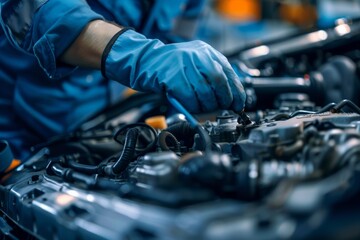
[[127, 153]]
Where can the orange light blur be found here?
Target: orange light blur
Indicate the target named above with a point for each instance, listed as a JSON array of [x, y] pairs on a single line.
[[240, 10]]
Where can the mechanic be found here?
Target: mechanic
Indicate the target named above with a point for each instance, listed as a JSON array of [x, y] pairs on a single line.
[[57, 56]]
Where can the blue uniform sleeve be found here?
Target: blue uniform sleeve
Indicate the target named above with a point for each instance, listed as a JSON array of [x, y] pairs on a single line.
[[45, 28], [152, 18], [127, 13]]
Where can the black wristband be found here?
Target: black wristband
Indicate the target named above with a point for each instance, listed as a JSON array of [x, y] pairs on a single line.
[[108, 48]]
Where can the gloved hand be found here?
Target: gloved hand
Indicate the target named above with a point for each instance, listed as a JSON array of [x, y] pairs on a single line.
[[194, 73]]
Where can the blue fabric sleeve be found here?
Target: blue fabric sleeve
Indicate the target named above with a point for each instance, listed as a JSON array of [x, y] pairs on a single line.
[[151, 18], [127, 13], [46, 28]]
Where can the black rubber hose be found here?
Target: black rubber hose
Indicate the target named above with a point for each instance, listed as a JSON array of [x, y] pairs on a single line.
[[280, 116], [328, 107], [166, 137], [127, 153], [91, 182], [205, 144], [88, 169], [69, 175], [183, 132], [58, 170], [346, 103]]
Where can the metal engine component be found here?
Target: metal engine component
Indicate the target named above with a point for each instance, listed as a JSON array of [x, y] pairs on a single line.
[[264, 177], [158, 169], [224, 130]]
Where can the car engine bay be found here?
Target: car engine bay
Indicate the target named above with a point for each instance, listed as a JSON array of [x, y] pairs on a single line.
[[287, 168]]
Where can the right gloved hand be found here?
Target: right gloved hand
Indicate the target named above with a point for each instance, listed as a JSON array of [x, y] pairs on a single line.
[[194, 73]]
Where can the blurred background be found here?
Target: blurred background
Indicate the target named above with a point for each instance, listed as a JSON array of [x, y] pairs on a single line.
[[232, 24]]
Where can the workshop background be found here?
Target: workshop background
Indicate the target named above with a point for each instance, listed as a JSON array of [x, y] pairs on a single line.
[[231, 24]]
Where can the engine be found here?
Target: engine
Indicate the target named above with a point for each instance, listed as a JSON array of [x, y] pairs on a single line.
[[291, 172]]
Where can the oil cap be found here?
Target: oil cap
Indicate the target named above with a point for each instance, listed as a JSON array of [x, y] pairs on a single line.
[[6, 156]]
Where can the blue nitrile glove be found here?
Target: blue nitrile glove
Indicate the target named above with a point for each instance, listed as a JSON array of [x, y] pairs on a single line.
[[194, 73]]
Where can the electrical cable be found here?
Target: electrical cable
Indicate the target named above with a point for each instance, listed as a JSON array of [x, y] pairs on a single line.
[[328, 107], [146, 140], [346, 103], [178, 106]]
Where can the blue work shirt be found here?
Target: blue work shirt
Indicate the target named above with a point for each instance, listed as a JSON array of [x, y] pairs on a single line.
[[41, 97]]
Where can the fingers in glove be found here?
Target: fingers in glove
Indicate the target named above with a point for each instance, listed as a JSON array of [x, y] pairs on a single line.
[[220, 86], [237, 89], [203, 91], [216, 79], [183, 90], [205, 95]]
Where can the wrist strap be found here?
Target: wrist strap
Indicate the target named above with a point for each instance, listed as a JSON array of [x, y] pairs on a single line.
[[108, 48]]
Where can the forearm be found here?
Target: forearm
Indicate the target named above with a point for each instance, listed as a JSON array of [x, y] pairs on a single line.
[[87, 49]]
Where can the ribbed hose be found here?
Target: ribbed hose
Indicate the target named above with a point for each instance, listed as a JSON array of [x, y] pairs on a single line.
[[88, 169], [183, 131], [166, 137], [127, 153]]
